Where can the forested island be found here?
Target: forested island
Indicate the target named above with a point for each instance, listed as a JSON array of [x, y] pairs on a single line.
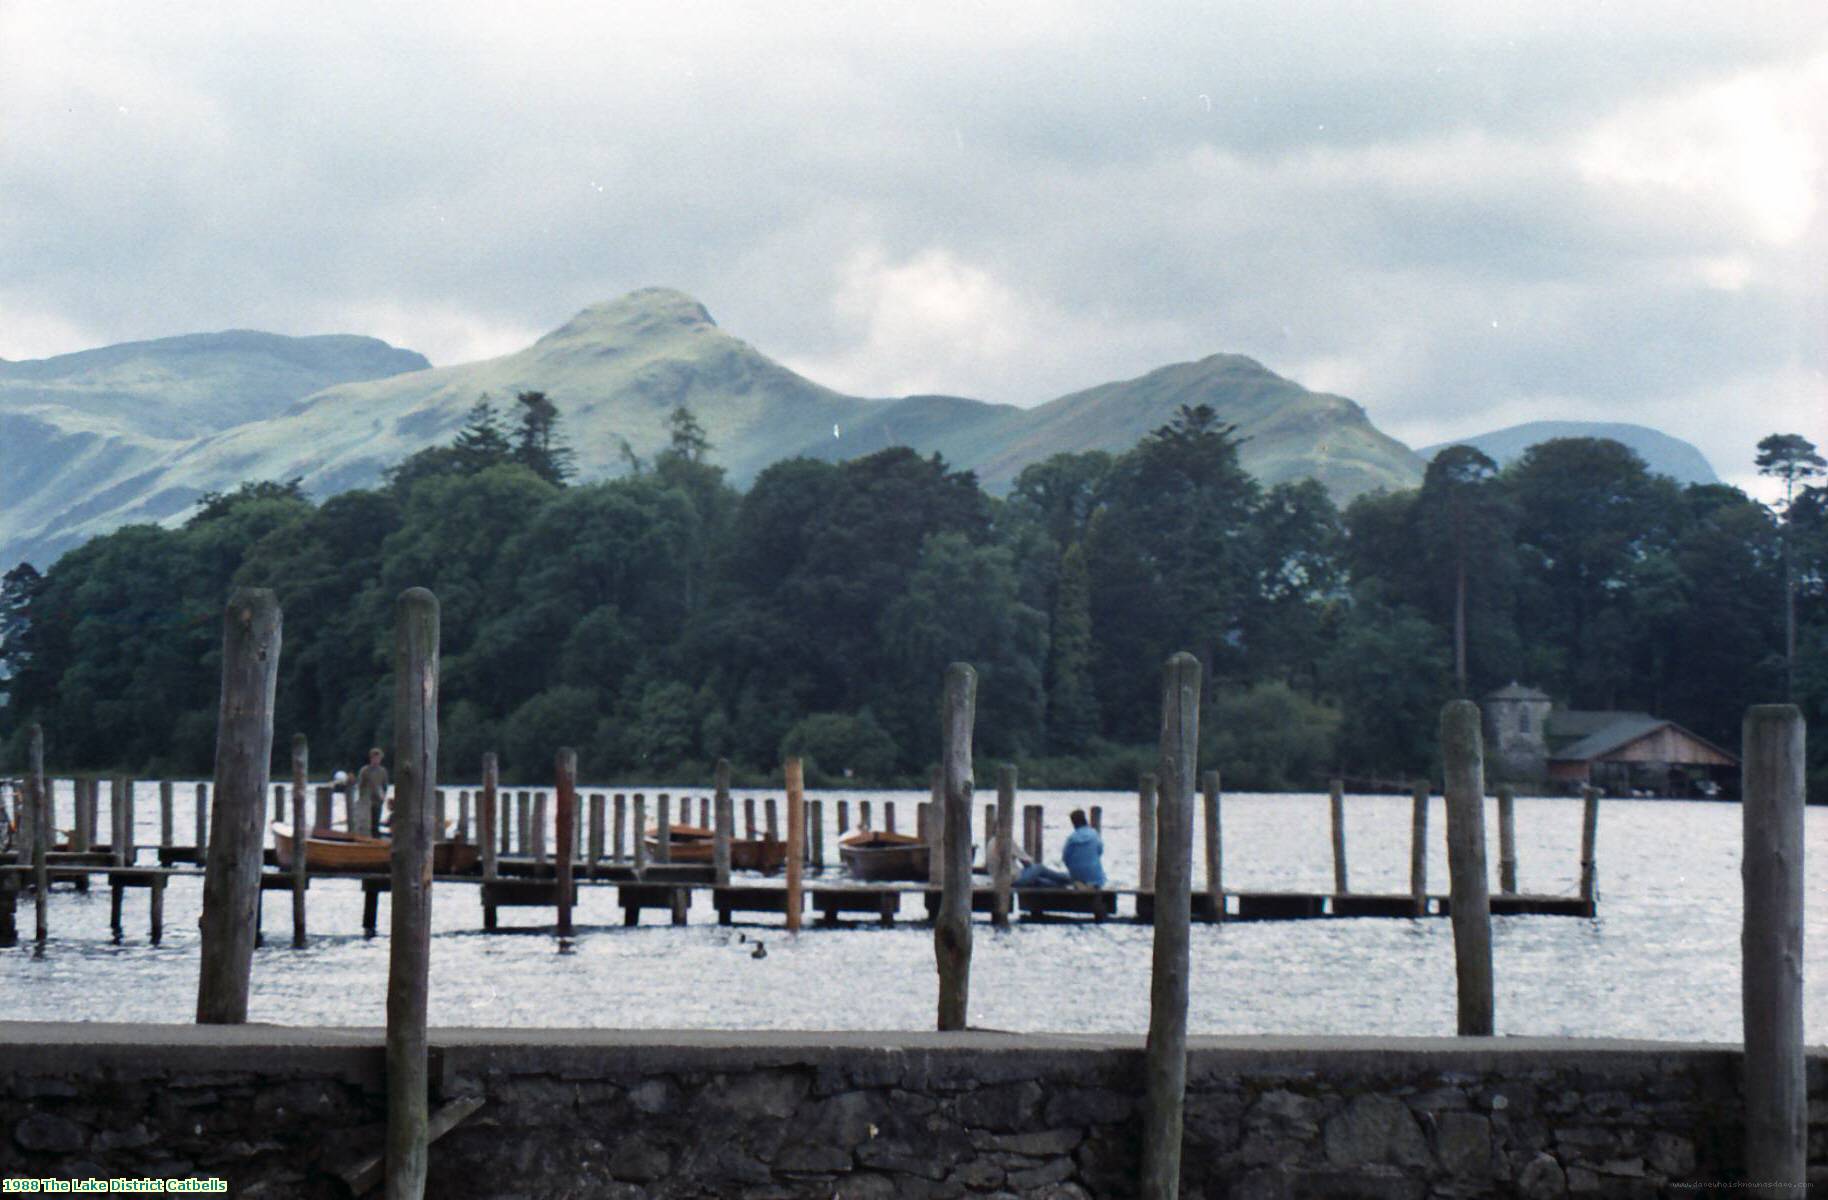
[[661, 620]]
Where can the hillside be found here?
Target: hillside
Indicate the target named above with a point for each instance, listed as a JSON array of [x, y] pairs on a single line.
[[1664, 454], [617, 371]]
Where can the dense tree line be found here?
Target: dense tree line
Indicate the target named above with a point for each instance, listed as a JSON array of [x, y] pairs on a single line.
[[661, 620]]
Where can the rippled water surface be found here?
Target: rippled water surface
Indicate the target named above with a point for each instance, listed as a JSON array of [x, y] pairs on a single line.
[[1662, 959]]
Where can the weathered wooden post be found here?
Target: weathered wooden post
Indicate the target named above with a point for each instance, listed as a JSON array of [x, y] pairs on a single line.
[[120, 817], [1589, 837], [300, 769], [773, 822], [167, 811], [1096, 817], [863, 814], [1165, 1066], [844, 817], [796, 841], [82, 833], [1145, 833], [704, 812], [1771, 977], [38, 802], [488, 814], [1507, 839], [1418, 848], [539, 827], [410, 951], [565, 822], [1215, 846], [438, 816], [1470, 903], [640, 832], [888, 816], [279, 802], [724, 814], [523, 822], [1002, 863], [620, 828], [952, 924], [663, 824], [815, 826], [199, 815], [749, 818], [594, 852], [324, 810], [1336, 807], [463, 816], [244, 747]]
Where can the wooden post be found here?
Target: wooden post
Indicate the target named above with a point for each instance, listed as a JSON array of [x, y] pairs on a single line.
[[1165, 1065], [640, 833], [1031, 830], [1002, 874], [594, 851], [773, 820], [723, 826], [83, 836], [952, 924], [539, 827], [488, 815], [749, 818], [1336, 807], [118, 819], [565, 822], [1096, 816], [1418, 848], [704, 812], [463, 816], [796, 841], [621, 825], [410, 949], [300, 769], [815, 823], [1463, 752], [1145, 833], [1215, 846], [439, 820], [1507, 840], [38, 801], [1589, 835], [166, 814], [663, 825], [523, 822], [888, 816], [199, 815], [1771, 978], [863, 814], [323, 807], [844, 817], [244, 747]]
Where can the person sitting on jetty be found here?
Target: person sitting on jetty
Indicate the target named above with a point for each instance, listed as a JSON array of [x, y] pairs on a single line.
[[1083, 852], [1028, 872]]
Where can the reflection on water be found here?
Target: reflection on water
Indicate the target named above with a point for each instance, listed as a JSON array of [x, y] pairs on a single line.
[[1661, 961]]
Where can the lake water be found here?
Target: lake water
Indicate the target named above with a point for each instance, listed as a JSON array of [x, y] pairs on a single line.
[[1661, 960]]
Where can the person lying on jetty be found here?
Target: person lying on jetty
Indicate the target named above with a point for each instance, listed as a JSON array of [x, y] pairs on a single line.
[[1083, 852], [1028, 872]]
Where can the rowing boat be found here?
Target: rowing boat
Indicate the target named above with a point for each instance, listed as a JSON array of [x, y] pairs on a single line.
[[695, 844], [878, 855], [336, 850]]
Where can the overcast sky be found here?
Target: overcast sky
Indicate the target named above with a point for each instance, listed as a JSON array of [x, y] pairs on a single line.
[[1461, 215]]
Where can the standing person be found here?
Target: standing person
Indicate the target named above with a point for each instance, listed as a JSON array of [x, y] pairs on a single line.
[[1083, 852], [371, 788]]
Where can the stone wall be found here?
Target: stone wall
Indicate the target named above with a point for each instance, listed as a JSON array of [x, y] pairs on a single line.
[[279, 1112]]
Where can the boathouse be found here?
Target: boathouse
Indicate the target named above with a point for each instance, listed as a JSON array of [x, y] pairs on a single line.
[[1531, 740]]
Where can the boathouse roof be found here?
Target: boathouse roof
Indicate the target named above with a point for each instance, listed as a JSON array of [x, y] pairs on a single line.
[[1629, 737]]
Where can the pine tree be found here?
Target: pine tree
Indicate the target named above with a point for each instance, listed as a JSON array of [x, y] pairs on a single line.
[[482, 442], [537, 444]]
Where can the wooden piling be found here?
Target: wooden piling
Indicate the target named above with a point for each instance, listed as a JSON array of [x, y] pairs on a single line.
[[888, 816], [1336, 808], [663, 826], [1215, 845], [323, 808], [439, 817], [121, 820], [620, 823], [1002, 873], [952, 815], [1096, 817], [539, 827], [565, 822], [844, 817], [1146, 789], [796, 840], [523, 822], [594, 851], [1589, 837], [723, 824], [1771, 976], [488, 815], [1418, 848], [815, 824], [773, 820], [704, 812], [38, 802], [83, 836], [244, 747], [410, 901], [863, 814], [167, 811], [1507, 840], [463, 817], [300, 769], [640, 832], [1165, 1065], [199, 815], [279, 802], [1463, 752], [749, 818]]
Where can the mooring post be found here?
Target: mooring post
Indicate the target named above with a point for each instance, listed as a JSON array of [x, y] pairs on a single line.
[[119, 820], [1771, 974], [244, 747], [1165, 1065], [488, 814], [1589, 837], [704, 812], [1336, 807], [1002, 860], [863, 814], [796, 841], [844, 817], [539, 828], [888, 816], [1215, 845], [1096, 816], [1145, 833], [410, 951], [167, 811], [84, 833], [640, 832], [1418, 848], [300, 769], [815, 824], [38, 803], [565, 822], [200, 815], [772, 812], [724, 824], [439, 819], [952, 814], [523, 822], [1470, 903], [279, 802], [749, 818], [663, 826], [463, 816], [619, 838], [594, 851], [324, 812], [1507, 840]]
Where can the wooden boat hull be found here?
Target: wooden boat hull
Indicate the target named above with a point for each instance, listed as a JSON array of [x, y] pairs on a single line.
[[335, 850], [694, 844], [885, 856]]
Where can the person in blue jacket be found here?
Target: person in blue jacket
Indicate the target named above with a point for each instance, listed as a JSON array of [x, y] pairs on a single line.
[[1083, 853]]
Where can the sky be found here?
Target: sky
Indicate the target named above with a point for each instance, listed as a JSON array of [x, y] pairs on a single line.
[[1462, 215]]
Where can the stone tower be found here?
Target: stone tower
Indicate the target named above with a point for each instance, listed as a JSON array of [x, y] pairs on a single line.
[[1516, 744]]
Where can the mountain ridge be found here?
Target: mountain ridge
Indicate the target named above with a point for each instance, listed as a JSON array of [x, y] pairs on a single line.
[[1663, 453]]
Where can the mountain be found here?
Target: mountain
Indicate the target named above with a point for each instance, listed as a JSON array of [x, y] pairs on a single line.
[[618, 370], [84, 434], [1664, 454]]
